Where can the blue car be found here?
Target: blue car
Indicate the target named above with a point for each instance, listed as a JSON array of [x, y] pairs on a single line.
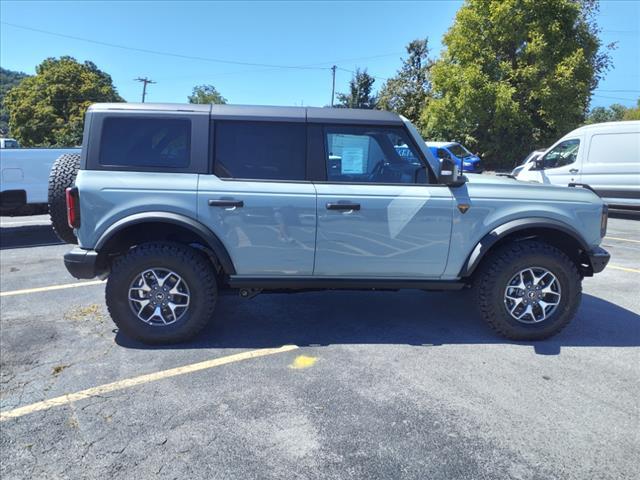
[[466, 161]]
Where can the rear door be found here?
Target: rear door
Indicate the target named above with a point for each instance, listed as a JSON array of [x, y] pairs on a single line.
[[257, 199], [377, 214]]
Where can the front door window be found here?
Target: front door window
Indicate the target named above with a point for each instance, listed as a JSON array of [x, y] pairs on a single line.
[[370, 155], [565, 153]]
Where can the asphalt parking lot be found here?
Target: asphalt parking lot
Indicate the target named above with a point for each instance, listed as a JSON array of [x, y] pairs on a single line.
[[372, 385]]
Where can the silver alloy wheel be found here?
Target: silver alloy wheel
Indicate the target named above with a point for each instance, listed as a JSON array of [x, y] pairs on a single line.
[[159, 297], [532, 295]]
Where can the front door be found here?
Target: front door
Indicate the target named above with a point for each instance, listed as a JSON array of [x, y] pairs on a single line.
[[561, 164], [377, 215]]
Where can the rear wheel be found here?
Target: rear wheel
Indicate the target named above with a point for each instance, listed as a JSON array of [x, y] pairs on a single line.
[[161, 293], [528, 290], [63, 175]]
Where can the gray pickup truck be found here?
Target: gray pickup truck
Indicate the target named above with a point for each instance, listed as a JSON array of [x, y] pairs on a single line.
[[176, 203]]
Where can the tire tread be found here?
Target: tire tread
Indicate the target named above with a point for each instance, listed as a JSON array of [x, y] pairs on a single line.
[[187, 256], [501, 260], [63, 174]]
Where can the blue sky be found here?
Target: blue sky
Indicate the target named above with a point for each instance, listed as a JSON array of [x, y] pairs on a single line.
[[311, 34]]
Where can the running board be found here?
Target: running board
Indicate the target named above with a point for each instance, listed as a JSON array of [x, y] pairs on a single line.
[[340, 283]]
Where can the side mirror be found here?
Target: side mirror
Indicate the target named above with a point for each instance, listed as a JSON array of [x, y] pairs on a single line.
[[442, 153], [450, 173], [538, 164]]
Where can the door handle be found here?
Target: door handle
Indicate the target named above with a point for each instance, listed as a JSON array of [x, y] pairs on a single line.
[[343, 206], [573, 170], [228, 203]]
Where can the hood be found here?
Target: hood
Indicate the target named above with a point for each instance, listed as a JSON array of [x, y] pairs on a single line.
[[477, 178], [506, 187]]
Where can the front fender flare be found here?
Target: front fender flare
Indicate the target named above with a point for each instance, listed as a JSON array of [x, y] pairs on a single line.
[[485, 244], [213, 242]]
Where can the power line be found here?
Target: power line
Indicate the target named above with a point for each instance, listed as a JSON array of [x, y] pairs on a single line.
[[146, 81], [353, 73], [158, 52], [372, 57], [615, 98], [312, 66], [618, 91]]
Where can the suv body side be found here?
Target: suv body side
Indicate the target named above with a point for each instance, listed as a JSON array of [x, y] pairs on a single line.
[[285, 228]]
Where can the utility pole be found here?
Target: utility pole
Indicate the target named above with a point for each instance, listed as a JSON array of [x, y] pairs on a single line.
[[333, 84], [144, 81]]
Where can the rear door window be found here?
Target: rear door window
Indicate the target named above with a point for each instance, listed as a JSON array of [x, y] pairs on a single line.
[[260, 150], [146, 143]]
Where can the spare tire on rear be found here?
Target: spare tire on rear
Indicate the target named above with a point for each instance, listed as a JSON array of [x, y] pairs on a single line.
[[63, 175]]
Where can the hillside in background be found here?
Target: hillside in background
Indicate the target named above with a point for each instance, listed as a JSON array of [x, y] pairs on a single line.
[[8, 80]]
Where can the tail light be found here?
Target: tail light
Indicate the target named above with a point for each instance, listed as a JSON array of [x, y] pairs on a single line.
[[73, 207], [603, 220]]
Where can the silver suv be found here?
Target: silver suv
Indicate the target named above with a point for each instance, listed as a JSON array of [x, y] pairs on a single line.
[[176, 203]]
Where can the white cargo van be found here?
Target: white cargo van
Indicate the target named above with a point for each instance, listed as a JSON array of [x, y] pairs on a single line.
[[605, 156]]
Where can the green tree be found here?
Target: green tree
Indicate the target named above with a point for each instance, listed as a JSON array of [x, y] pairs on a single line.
[[8, 80], [613, 113], [515, 75], [632, 113], [406, 93], [360, 92], [206, 94], [48, 108]]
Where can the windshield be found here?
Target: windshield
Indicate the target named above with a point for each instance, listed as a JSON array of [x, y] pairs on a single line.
[[459, 151], [533, 154], [433, 162]]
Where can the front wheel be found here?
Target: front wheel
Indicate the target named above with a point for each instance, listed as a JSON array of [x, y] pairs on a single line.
[[161, 293], [528, 290]]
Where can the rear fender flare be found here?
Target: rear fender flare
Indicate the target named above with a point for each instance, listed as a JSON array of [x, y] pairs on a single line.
[[212, 241]]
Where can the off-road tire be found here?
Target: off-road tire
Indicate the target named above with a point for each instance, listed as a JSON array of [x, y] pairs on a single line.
[[497, 270], [63, 175], [193, 266]]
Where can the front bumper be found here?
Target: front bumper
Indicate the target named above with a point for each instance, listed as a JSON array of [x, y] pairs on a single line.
[[83, 263], [598, 257]]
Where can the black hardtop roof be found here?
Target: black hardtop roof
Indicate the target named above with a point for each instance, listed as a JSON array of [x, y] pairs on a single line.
[[259, 112]]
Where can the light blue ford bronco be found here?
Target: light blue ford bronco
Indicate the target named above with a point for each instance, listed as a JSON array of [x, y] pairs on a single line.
[[174, 204]]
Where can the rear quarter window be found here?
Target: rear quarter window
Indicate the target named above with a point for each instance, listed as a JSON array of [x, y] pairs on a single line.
[[146, 143]]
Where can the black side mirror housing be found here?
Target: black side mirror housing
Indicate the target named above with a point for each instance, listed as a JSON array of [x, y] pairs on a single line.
[[538, 164], [442, 153], [450, 173]]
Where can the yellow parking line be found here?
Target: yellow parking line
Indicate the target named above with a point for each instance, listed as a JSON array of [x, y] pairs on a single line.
[[132, 382], [622, 239], [624, 269], [52, 287]]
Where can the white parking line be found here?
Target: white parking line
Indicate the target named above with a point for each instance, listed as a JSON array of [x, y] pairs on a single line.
[[622, 239], [134, 381], [50, 288]]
